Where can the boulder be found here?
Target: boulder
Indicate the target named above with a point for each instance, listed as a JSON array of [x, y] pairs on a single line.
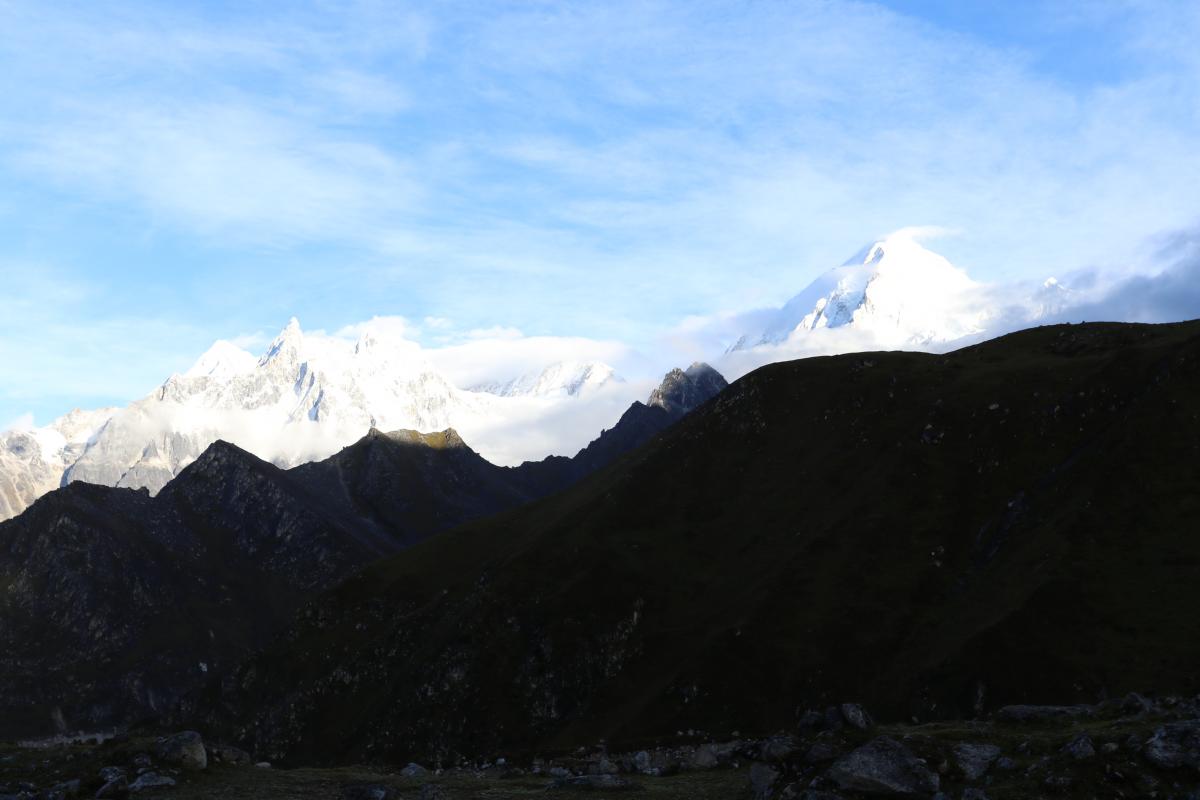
[[1080, 748], [811, 721], [224, 754], [117, 787], [777, 748], [1175, 745], [185, 749], [602, 765], [975, 759], [60, 791], [856, 716], [108, 774], [704, 757], [150, 780], [821, 752], [1135, 703], [884, 766], [763, 779], [413, 770]]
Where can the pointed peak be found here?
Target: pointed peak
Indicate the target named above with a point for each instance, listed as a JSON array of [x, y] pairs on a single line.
[[288, 341], [683, 390]]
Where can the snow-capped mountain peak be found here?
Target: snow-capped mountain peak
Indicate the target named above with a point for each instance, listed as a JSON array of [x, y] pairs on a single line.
[[894, 289], [222, 360], [286, 347]]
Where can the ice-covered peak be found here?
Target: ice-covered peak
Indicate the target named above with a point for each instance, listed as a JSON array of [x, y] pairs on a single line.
[[895, 289], [287, 345], [222, 360]]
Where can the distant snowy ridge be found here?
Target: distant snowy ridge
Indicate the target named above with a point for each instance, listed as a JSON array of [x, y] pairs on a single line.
[[303, 399], [568, 378], [895, 291]]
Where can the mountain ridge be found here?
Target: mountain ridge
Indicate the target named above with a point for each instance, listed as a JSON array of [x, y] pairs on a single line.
[[303, 399], [934, 536], [113, 598]]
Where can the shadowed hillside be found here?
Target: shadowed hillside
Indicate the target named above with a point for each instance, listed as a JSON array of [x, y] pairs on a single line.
[[931, 535], [114, 604]]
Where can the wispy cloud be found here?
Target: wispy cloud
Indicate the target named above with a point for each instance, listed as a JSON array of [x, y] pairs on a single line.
[[593, 170]]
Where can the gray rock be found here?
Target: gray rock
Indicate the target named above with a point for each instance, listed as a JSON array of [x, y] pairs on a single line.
[[777, 748], [1135, 703], [657, 763], [185, 749], [117, 787], [1005, 763], [834, 721], [1080, 748], [368, 792], [150, 780], [414, 770], [821, 752], [704, 757], [811, 721], [603, 766], [1175, 745], [763, 778], [224, 754], [975, 759], [111, 773], [590, 782], [1108, 748], [884, 766], [59, 791], [1058, 783], [263, 765], [856, 716], [1024, 713], [142, 760]]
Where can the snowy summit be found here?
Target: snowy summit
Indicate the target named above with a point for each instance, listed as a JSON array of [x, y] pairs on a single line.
[[894, 290]]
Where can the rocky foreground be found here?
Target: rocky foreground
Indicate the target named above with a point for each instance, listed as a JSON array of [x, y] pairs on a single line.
[[1130, 748]]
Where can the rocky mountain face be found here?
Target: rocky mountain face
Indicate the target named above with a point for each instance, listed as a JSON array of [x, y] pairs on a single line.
[[32, 462], [114, 603], [934, 536], [302, 400]]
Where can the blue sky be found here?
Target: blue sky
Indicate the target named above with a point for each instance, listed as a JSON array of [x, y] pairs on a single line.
[[173, 173]]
